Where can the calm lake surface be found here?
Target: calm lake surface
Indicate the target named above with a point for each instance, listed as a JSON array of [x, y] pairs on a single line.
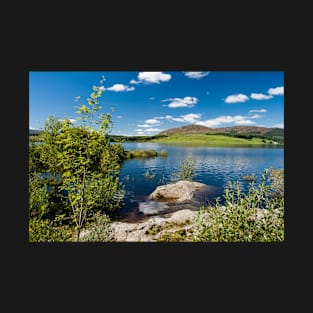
[[213, 166]]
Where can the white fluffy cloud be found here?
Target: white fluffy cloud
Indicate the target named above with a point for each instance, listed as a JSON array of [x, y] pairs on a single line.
[[152, 121], [258, 111], [188, 118], [142, 132], [239, 97], [181, 102], [260, 96], [276, 91], [120, 88], [153, 130], [227, 119], [151, 77], [149, 123], [196, 75], [255, 116]]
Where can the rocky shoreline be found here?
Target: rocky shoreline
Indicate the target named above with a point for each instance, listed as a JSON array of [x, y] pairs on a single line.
[[169, 208], [153, 228], [183, 197]]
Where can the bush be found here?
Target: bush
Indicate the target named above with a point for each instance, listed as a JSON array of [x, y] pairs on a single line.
[[186, 170], [162, 153], [255, 216], [45, 230], [99, 229]]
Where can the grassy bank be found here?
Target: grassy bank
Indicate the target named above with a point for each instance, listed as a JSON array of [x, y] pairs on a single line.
[[129, 154], [212, 140]]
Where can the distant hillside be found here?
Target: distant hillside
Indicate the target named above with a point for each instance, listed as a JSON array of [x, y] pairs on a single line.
[[250, 130], [34, 132], [247, 130], [189, 129]]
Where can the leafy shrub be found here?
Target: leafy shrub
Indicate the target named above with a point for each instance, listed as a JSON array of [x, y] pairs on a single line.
[[186, 170], [162, 153], [255, 216], [45, 230], [99, 229]]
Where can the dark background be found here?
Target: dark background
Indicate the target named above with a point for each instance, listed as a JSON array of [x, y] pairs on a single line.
[[155, 36]]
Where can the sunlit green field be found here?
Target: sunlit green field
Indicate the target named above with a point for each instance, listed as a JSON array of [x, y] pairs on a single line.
[[211, 140]]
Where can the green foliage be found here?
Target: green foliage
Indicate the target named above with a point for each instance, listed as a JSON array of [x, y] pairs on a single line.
[[46, 230], [140, 154], [98, 229], [255, 216], [116, 138], [38, 197], [148, 175], [186, 170], [50, 148], [162, 153], [129, 154], [249, 178], [216, 139], [82, 168]]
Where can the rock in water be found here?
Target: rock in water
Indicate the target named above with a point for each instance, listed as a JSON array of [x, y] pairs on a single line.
[[180, 191]]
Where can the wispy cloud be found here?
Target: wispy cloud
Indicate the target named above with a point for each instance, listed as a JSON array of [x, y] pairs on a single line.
[[255, 116], [196, 75], [260, 96], [188, 118], [278, 91], [152, 121], [120, 88], [239, 97], [258, 111], [153, 130], [181, 102], [142, 132], [144, 125], [149, 123], [152, 98], [119, 116], [227, 119], [151, 78]]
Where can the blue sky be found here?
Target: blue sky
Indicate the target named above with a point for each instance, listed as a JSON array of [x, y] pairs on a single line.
[[145, 103]]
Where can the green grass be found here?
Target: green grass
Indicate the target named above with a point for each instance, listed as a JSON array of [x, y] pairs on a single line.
[[129, 154], [211, 140]]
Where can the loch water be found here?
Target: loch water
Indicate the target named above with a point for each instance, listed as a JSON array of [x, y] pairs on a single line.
[[214, 166]]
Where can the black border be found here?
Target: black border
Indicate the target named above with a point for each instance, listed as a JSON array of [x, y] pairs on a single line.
[[204, 46]]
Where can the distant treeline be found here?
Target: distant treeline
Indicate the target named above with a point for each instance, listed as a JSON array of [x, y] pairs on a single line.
[[268, 136], [115, 138]]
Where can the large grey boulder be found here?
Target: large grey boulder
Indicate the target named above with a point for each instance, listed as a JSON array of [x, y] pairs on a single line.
[[180, 191]]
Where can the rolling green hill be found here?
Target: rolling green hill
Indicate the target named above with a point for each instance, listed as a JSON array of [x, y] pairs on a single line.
[[235, 135]]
